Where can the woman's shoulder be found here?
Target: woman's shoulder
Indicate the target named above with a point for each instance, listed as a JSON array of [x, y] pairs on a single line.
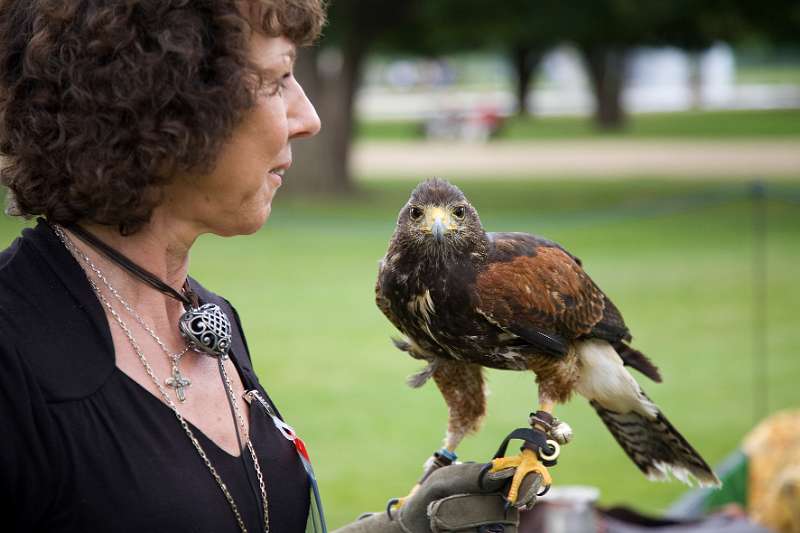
[[50, 319], [8, 255], [19, 282], [11, 259]]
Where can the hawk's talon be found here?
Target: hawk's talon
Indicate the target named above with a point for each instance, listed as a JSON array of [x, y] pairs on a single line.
[[397, 503], [392, 503]]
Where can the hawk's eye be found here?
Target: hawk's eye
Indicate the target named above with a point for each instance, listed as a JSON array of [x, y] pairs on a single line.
[[415, 212], [459, 211]]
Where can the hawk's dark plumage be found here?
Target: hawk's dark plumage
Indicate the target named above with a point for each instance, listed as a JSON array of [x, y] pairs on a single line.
[[467, 299]]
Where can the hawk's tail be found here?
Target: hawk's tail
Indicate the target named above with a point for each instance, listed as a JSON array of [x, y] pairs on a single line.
[[656, 447]]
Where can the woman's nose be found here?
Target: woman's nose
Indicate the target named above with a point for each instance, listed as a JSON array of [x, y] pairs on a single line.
[[303, 118]]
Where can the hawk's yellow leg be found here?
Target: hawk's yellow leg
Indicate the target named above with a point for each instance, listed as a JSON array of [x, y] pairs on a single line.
[[525, 463], [397, 503]]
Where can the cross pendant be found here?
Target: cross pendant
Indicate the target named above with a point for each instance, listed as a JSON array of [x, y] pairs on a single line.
[[178, 382]]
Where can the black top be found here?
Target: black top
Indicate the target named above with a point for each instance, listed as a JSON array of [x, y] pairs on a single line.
[[83, 447]]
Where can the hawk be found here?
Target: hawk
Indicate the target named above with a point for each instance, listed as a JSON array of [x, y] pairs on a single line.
[[466, 299]]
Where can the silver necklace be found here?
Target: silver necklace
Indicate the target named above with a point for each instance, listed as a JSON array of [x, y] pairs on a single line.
[[177, 381], [168, 400], [205, 327]]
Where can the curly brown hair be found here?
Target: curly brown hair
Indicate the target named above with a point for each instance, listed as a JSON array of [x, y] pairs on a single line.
[[100, 100]]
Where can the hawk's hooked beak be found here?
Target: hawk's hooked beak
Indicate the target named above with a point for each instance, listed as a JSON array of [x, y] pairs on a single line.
[[438, 230], [437, 221]]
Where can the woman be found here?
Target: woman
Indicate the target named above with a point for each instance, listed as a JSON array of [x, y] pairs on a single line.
[[132, 127]]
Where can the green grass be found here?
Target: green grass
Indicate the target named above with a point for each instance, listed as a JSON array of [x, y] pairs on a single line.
[[769, 74], [389, 130], [679, 270], [709, 124]]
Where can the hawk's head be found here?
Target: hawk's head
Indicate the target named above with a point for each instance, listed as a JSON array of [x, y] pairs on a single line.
[[439, 218]]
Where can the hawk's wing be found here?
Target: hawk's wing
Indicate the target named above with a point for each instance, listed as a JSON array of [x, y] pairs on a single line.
[[536, 290], [382, 302], [385, 305], [381, 298]]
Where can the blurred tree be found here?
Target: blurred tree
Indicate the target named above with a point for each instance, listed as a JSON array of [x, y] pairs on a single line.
[[774, 21], [604, 32], [694, 26], [330, 73], [523, 30]]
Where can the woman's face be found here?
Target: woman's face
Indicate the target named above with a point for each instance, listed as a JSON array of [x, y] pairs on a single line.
[[235, 197]]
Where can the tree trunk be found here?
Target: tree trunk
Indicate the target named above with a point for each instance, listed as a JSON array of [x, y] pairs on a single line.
[[695, 59], [526, 62], [312, 159], [342, 111], [321, 163], [606, 66]]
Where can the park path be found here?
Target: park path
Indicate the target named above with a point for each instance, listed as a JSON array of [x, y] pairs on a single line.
[[605, 158]]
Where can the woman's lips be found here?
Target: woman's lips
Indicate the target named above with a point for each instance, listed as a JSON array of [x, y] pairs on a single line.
[[277, 176]]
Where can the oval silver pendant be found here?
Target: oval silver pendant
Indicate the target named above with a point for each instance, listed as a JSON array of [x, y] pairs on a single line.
[[207, 329]]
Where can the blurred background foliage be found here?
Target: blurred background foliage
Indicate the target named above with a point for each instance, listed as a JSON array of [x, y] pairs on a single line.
[[677, 252], [604, 36]]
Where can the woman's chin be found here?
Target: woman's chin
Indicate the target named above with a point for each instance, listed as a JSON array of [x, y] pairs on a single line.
[[243, 224], [256, 222]]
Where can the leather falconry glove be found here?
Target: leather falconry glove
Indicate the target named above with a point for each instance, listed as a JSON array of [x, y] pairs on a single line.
[[461, 497]]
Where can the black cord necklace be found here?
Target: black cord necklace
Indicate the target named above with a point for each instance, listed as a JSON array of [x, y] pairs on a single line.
[[205, 327]]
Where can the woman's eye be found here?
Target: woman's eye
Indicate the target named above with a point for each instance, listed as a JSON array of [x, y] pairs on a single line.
[[275, 89], [280, 84], [415, 213], [459, 211]]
